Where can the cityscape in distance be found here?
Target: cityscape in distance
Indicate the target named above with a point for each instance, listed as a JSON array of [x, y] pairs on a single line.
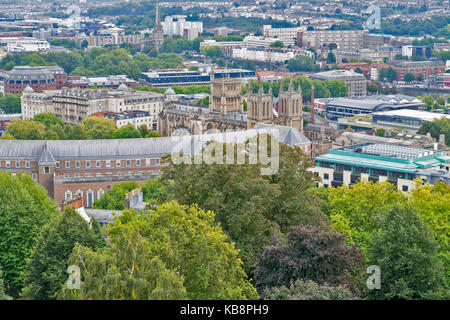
[[224, 150]]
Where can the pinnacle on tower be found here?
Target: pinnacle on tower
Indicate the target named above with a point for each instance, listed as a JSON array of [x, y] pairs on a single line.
[[291, 85], [157, 15], [312, 104], [261, 90]]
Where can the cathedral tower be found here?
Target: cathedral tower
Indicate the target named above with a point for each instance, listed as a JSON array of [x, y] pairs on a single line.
[[290, 107], [226, 94], [259, 106]]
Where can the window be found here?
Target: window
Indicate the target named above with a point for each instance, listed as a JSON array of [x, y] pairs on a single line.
[[118, 163], [67, 164], [157, 161], [325, 185], [66, 175], [147, 161], [8, 164], [97, 163], [34, 176], [27, 164], [108, 163], [100, 192], [128, 163], [138, 163], [90, 198], [17, 164], [405, 188], [46, 170], [88, 163], [77, 164], [57, 165], [68, 195]]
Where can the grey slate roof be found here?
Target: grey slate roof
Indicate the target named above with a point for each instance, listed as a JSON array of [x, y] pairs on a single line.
[[46, 158], [129, 148]]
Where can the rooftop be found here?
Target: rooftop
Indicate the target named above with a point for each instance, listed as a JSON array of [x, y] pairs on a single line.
[[336, 74], [416, 114], [386, 157]]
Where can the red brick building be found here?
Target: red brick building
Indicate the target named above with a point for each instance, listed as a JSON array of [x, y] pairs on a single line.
[[38, 78], [419, 68]]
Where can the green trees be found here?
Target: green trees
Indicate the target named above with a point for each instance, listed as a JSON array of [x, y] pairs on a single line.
[[126, 132], [98, 61], [10, 103], [308, 290], [3, 295], [354, 209], [99, 128], [212, 51], [410, 77], [188, 241], [388, 74], [46, 269], [24, 209], [125, 272], [250, 208], [114, 198], [277, 44], [66, 43], [406, 253], [331, 58], [310, 254], [302, 63], [26, 130], [436, 128]]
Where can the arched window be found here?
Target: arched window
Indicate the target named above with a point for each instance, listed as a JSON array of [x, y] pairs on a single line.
[[100, 192]]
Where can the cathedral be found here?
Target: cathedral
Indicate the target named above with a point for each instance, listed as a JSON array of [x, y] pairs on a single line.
[[290, 105], [226, 111]]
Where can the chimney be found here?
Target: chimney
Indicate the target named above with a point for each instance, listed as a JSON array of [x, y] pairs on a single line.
[[312, 105]]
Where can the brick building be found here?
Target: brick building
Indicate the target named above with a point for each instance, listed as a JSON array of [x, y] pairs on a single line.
[[419, 68], [74, 105], [38, 78], [89, 168]]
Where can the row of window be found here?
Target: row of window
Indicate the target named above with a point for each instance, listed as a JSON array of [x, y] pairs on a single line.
[[17, 164], [100, 174], [8, 164], [98, 163]]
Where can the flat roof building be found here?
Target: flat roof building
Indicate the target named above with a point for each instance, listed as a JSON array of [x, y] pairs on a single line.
[[356, 82], [373, 161]]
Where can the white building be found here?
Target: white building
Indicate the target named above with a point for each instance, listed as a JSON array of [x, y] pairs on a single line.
[[176, 25], [24, 44], [268, 55], [287, 35]]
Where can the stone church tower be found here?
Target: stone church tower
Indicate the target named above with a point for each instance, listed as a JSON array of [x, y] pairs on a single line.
[[259, 106], [226, 94], [157, 37], [290, 107]]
